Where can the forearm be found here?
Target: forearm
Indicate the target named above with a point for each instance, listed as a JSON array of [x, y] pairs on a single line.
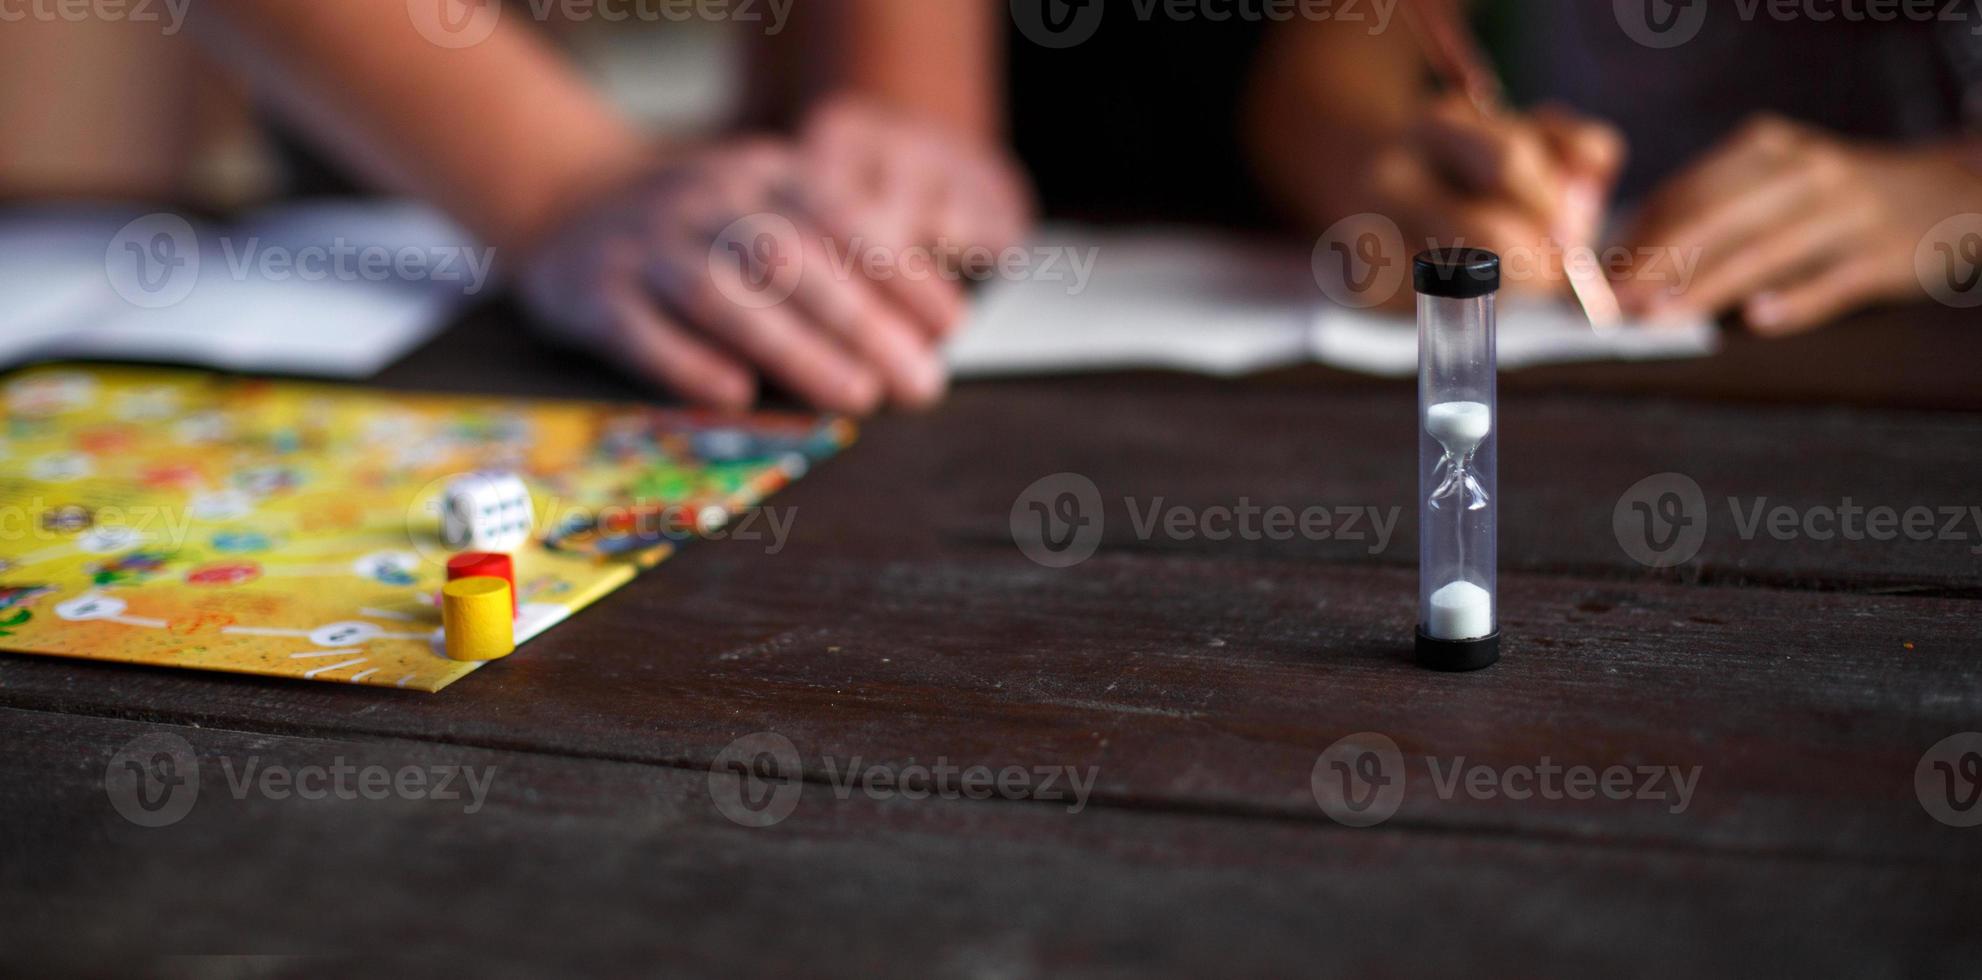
[[942, 60], [500, 134], [1325, 97], [95, 107]]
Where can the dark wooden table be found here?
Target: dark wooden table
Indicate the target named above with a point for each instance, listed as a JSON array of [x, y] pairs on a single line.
[[1197, 680]]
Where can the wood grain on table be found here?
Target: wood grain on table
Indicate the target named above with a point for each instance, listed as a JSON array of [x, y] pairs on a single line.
[[1197, 680]]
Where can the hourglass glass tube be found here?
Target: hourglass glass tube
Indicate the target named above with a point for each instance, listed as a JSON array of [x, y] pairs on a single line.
[[1458, 615]]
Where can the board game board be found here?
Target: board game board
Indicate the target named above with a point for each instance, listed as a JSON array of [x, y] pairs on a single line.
[[189, 519]]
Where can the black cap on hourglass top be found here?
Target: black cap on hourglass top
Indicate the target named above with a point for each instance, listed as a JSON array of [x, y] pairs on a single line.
[[1456, 273]]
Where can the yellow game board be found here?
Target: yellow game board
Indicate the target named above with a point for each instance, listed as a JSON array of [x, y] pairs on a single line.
[[188, 519]]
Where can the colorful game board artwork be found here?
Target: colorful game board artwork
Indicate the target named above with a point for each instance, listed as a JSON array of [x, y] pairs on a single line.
[[187, 519]]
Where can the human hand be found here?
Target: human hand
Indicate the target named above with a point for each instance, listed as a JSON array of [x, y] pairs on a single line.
[[932, 202], [1792, 226], [707, 272], [1522, 185]]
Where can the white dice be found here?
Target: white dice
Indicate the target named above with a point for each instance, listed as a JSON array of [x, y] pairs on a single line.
[[485, 512]]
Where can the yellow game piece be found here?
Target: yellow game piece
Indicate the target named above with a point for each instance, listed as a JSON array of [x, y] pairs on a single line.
[[474, 614]]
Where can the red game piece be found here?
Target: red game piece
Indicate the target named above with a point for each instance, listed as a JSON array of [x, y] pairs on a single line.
[[472, 563]]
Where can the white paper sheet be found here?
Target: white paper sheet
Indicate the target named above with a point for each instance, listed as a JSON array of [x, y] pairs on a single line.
[[1188, 301], [1185, 303], [56, 299]]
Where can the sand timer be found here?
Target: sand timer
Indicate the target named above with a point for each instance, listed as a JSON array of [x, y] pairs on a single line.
[[1458, 622]]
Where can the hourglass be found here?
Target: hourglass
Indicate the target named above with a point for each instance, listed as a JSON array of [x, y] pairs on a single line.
[[1458, 623]]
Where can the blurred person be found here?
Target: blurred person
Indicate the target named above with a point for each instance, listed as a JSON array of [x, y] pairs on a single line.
[[619, 242], [1800, 163], [612, 232]]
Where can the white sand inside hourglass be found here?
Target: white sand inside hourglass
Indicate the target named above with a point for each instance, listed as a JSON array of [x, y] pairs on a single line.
[[1460, 611], [1459, 426]]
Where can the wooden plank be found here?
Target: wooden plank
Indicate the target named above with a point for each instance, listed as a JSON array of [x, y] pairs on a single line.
[[1566, 462], [617, 867], [1202, 685], [1917, 356]]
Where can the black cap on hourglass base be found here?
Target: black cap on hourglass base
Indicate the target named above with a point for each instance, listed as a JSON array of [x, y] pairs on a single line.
[[1458, 655]]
